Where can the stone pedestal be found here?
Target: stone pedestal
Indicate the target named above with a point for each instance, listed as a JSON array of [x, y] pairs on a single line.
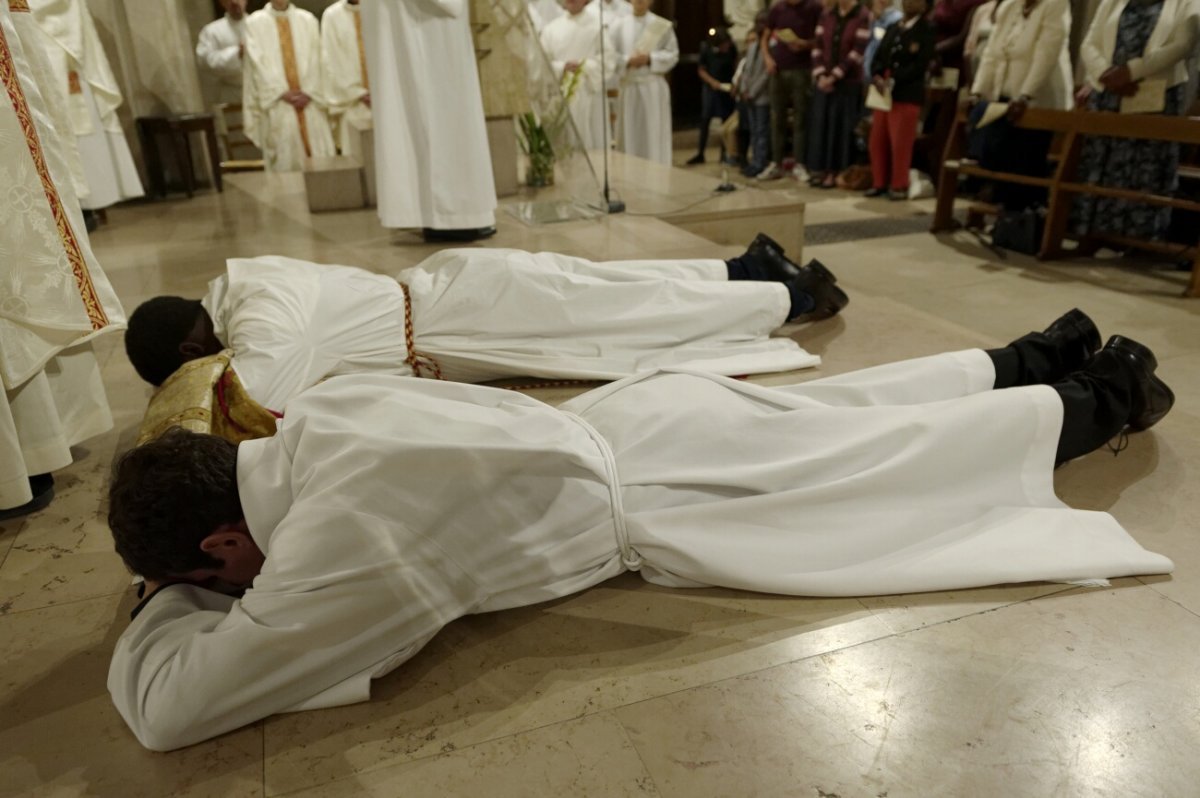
[[334, 183], [506, 155]]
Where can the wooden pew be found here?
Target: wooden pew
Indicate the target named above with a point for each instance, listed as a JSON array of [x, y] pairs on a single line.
[[1071, 129]]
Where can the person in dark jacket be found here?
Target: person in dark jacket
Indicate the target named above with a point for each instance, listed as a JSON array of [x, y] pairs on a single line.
[[841, 40], [899, 70]]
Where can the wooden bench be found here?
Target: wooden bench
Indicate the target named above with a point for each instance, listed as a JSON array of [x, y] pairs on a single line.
[[1062, 184]]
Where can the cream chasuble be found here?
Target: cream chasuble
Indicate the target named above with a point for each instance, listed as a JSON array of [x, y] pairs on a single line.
[[644, 121], [82, 70], [577, 38], [54, 298], [433, 167], [388, 507], [344, 65], [283, 53]]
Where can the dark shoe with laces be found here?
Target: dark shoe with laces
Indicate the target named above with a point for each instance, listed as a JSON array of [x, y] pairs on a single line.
[[820, 283], [767, 253], [1151, 398], [1077, 337]]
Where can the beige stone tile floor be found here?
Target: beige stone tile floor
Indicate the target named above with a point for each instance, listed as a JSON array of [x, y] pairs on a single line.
[[629, 689]]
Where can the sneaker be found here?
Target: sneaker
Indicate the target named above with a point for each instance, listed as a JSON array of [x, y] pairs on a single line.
[[772, 172], [800, 173]]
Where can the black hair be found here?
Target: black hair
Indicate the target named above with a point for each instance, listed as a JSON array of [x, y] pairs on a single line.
[[167, 496], [156, 329]]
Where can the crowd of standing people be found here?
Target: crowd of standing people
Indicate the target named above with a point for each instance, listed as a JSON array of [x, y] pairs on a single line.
[[822, 86]]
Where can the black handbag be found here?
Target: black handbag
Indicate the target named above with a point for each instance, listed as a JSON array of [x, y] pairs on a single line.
[[1020, 231]]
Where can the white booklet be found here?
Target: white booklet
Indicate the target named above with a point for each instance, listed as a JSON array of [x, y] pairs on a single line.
[[879, 100], [1151, 98]]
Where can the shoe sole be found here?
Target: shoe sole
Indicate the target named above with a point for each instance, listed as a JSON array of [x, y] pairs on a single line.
[[820, 269], [826, 311], [1148, 421], [1084, 325]]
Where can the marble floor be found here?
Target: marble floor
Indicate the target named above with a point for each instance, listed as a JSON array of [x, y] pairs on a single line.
[[629, 689]]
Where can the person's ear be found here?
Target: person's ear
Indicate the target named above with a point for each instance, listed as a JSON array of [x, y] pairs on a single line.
[[190, 350], [225, 538]]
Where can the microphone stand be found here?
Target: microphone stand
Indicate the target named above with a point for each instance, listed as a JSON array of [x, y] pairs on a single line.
[[610, 205]]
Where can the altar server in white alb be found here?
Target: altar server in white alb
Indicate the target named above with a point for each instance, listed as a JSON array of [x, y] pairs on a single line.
[[572, 44], [433, 167], [347, 84], [82, 69], [384, 508], [221, 50], [647, 50], [473, 315], [284, 109], [55, 298]]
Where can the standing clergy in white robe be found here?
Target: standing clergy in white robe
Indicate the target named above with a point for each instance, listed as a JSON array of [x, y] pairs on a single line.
[[433, 167], [54, 298], [543, 12], [82, 69], [647, 50], [284, 108], [221, 50], [347, 85], [385, 508], [614, 11], [476, 315], [572, 44]]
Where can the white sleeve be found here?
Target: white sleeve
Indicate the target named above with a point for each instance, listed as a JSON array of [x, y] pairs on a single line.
[[666, 56], [223, 60], [195, 664]]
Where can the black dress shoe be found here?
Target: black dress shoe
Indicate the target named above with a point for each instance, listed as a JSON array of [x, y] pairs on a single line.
[[1077, 337], [460, 234], [695, 159], [875, 192], [42, 487], [819, 283], [1151, 398], [765, 252]]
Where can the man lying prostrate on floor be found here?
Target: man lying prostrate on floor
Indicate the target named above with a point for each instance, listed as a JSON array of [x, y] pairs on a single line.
[[386, 507], [471, 315]]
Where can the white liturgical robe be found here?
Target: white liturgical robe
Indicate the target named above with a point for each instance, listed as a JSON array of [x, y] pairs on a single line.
[[483, 314], [81, 67], [644, 121], [433, 167], [543, 12], [387, 508], [219, 50], [347, 86], [54, 298], [576, 38], [283, 53]]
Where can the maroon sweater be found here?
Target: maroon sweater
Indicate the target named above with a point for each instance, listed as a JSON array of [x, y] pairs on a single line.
[[842, 57]]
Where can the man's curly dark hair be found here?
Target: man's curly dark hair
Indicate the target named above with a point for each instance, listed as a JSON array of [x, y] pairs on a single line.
[[155, 331], [167, 496]]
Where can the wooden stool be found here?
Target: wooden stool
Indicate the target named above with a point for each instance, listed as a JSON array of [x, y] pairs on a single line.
[[176, 129]]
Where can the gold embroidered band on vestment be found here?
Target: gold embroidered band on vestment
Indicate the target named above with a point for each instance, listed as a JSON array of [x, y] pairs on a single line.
[[292, 72]]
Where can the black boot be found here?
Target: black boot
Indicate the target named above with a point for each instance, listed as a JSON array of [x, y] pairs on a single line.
[[1047, 357], [1116, 389]]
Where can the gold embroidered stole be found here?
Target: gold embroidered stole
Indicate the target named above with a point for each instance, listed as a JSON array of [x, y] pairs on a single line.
[[362, 53], [66, 234], [292, 72], [18, 5]]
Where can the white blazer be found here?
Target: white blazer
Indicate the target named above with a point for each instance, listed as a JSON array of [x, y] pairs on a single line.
[[1171, 42], [1028, 55]]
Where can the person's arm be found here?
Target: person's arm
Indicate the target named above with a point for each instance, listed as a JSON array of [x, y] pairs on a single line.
[[195, 664], [764, 44], [1179, 45], [1051, 35], [1091, 50], [989, 66], [666, 56], [222, 60], [854, 56]]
